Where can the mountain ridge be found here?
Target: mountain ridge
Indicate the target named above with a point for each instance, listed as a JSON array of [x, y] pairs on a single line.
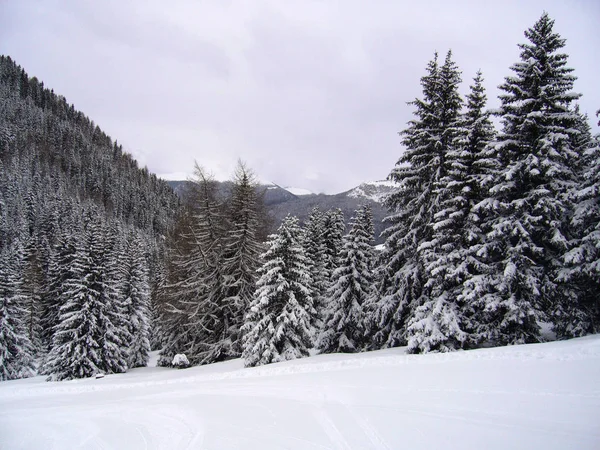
[[280, 202]]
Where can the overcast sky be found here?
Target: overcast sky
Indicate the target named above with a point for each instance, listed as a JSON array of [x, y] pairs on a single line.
[[310, 94]]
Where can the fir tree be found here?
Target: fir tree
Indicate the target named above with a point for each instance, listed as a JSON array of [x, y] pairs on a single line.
[[537, 169], [60, 272], [314, 248], [278, 325], [414, 203], [344, 328], [136, 293], [437, 321], [16, 350], [333, 234], [241, 252], [90, 336], [578, 312]]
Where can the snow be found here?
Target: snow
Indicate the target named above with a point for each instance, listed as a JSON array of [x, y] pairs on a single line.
[[298, 191], [539, 396], [373, 190], [180, 360]]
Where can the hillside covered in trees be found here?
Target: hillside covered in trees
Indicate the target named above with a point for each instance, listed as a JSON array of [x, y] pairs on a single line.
[[81, 237]]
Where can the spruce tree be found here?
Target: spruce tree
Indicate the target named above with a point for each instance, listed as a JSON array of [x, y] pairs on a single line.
[[578, 312], [277, 326], [414, 203], [60, 271], [135, 291], [16, 350], [437, 321], [333, 233], [241, 252], [91, 335], [527, 240], [344, 327], [314, 248]]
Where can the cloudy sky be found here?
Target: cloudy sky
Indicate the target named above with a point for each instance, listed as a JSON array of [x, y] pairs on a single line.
[[310, 94]]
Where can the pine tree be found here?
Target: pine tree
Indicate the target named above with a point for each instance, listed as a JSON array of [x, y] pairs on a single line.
[[578, 313], [314, 248], [537, 169], [333, 233], [478, 163], [106, 252], [136, 293], [241, 252], [34, 286], [414, 203], [90, 336], [437, 321], [60, 272], [344, 328], [16, 350], [277, 326]]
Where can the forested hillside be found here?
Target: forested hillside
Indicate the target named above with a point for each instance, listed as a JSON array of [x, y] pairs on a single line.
[[80, 228]]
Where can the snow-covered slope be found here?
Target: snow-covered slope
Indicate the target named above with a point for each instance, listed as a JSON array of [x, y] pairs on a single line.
[[373, 190], [298, 191], [544, 396]]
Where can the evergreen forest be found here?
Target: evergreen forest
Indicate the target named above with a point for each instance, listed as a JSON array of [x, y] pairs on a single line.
[[492, 237]]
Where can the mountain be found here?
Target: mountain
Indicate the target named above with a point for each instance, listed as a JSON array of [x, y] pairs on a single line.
[[299, 202]]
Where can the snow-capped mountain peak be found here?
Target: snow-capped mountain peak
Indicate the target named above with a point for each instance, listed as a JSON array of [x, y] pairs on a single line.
[[373, 190]]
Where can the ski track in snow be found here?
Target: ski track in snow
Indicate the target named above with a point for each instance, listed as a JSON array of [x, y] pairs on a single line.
[[531, 396]]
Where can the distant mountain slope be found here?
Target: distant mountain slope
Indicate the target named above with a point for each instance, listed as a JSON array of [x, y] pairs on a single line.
[[280, 202]]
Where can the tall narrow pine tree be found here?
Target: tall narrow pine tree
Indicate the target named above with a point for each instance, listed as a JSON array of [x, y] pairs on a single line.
[[535, 149], [344, 327]]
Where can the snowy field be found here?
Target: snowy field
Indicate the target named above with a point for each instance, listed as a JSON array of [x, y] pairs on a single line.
[[544, 396]]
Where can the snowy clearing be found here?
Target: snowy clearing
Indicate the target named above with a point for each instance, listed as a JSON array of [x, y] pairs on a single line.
[[543, 396]]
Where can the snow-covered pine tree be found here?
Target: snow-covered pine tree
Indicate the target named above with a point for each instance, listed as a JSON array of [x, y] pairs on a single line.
[[60, 271], [75, 351], [333, 234], [414, 203], [241, 253], [537, 161], [480, 165], [106, 251], [578, 313], [157, 292], [437, 323], [16, 350], [89, 337], [277, 326], [135, 291], [33, 289], [344, 327], [313, 244]]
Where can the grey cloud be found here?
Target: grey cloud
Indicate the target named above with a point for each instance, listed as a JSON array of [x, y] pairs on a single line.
[[310, 94]]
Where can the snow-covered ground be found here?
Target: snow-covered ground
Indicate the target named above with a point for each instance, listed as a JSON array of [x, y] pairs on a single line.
[[544, 396]]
